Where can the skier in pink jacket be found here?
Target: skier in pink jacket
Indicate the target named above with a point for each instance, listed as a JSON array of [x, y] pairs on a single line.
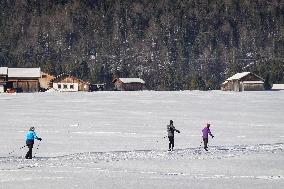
[[205, 132]]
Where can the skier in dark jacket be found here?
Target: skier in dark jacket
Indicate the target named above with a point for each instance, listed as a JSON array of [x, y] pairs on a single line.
[[30, 137], [205, 133], [171, 135]]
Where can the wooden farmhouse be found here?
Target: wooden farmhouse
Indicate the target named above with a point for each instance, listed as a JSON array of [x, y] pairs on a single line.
[[19, 79], [67, 83], [128, 84], [245, 81]]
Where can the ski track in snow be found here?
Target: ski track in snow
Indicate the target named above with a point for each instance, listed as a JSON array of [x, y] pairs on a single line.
[[73, 160]]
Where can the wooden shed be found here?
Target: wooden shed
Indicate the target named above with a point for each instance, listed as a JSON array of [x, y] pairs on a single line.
[[128, 84], [23, 79], [68, 83], [245, 81]]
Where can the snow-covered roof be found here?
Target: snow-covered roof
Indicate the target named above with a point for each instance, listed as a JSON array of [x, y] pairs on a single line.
[[131, 80], [253, 82], [238, 76], [24, 72], [67, 75], [278, 86], [3, 70], [225, 82]]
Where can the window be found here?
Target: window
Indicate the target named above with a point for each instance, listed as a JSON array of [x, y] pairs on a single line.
[[71, 86], [64, 86], [59, 86]]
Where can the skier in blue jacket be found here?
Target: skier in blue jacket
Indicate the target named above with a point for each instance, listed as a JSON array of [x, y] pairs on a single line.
[[31, 136]]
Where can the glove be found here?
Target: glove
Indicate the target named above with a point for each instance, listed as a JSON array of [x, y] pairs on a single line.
[[212, 136], [39, 139], [178, 131]]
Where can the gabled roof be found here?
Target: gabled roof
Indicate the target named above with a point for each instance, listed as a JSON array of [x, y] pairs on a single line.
[[67, 75], [3, 70], [24, 72], [131, 80], [238, 76]]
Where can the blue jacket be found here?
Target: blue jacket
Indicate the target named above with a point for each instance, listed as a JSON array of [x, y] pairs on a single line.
[[31, 135]]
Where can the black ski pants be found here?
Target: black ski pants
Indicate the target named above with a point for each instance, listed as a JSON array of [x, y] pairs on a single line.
[[29, 154], [171, 142], [205, 142]]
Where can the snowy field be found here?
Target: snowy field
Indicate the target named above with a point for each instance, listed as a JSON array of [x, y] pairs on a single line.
[[116, 140]]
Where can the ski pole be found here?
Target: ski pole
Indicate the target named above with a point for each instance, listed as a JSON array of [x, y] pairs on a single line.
[[17, 149]]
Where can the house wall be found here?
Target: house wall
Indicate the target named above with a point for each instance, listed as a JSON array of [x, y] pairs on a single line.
[[66, 87], [236, 85], [83, 86], [79, 85], [226, 86], [2, 89], [252, 87], [133, 86], [26, 85], [240, 86]]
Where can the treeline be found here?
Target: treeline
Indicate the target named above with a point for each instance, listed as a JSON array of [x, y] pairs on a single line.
[[171, 44]]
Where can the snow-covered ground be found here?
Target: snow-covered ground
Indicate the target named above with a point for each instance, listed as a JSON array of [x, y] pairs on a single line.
[[116, 140]]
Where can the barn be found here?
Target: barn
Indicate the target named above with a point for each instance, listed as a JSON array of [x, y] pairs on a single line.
[[245, 81], [128, 84], [23, 79], [68, 83]]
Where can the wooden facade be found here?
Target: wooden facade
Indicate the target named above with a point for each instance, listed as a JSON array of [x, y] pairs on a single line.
[[67, 83], [128, 84], [27, 85], [245, 81]]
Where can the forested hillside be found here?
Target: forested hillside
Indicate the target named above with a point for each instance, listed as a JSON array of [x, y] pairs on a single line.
[[171, 44]]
